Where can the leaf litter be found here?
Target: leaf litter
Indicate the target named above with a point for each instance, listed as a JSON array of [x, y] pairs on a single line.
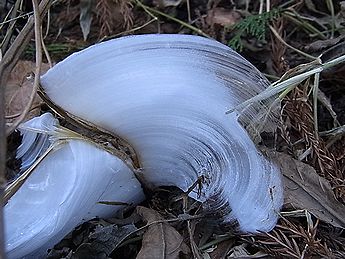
[[305, 189], [318, 232]]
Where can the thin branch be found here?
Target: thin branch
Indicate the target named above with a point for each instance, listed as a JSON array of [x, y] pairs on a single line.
[[16, 18], [14, 186], [197, 30], [315, 95], [46, 52], [291, 47], [38, 46], [9, 32], [11, 56], [129, 31], [330, 6], [288, 84], [188, 12]]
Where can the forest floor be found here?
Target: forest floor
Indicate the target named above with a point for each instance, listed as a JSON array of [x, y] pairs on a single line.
[[280, 38]]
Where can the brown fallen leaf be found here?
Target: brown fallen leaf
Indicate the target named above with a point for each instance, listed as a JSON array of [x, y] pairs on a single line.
[[223, 17], [305, 189], [19, 88], [102, 242], [323, 44], [160, 240]]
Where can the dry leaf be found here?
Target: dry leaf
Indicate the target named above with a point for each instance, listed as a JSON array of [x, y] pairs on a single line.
[[19, 87], [305, 189], [160, 240], [323, 44], [222, 16], [103, 241]]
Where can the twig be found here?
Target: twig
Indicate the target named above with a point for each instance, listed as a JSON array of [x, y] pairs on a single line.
[[268, 5], [19, 44], [16, 115], [299, 20], [188, 11], [198, 31], [280, 86], [7, 38], [13, 187], [46, 53], [48, 24], [315, 94], [16, 18], [339, 131], [130, 31], [291, 47], [38, 46], [330, 6], [261, 7]]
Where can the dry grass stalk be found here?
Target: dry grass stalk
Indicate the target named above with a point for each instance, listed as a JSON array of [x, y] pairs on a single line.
[[299, 111], [38, 46]]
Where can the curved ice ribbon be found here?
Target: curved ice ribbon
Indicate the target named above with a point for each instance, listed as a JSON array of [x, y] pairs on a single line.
[[167, 96]]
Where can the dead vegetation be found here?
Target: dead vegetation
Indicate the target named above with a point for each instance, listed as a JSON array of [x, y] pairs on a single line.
[[275, 38]]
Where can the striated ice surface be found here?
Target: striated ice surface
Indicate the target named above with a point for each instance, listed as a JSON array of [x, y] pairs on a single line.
[[34, 144], [167, 95], [62, 192]]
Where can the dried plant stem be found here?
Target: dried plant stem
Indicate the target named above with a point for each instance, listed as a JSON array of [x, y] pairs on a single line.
[[300, 21], [331, 9], [11, 14], [13, 187], [291, 47], [261, 7], [15, 18], [188, 11], [268, 5], [19, 44], [16, 115], [315, 94], [130, 31], [46, 53], [154, 11], [48, 24], [38, 46], [286, 84]]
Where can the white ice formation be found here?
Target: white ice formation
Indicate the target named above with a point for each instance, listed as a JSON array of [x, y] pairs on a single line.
[[63, 191], [167, 96]]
